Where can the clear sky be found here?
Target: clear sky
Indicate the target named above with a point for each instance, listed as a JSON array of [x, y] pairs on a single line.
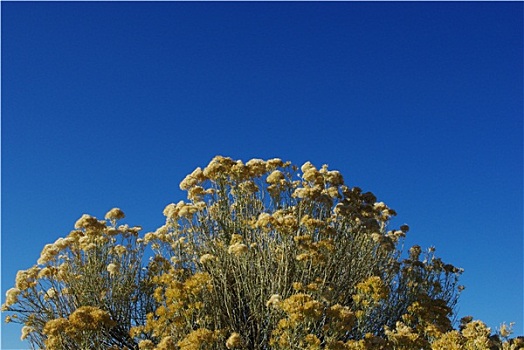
[[110, 104]]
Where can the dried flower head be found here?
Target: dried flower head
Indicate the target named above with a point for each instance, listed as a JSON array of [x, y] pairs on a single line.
[[115, 214], [274, 301], [237, 249], [234, 341]]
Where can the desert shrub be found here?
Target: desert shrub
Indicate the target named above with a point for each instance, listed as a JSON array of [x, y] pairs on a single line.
[[261, 255], [290, 258]]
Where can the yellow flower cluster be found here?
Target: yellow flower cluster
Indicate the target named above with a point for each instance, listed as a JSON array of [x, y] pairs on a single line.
[[167, 343], [274, 301], [300, 307], [89, 223], [179, 302], [275, 177], [472, 335], [402, 336], [26, 331], [182, 210], [112, 269], [342, 319], [369, 293], [89, 234], [322, 185], [221, 167], [146, 345], [115, 214], [11, 297], [200, 338], [238, 249], [82, 320], [26, 279], [90, 318], [313, 252], [206, 258], [234, 341]]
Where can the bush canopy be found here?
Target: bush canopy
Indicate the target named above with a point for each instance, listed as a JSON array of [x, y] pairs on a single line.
[[261, 255]]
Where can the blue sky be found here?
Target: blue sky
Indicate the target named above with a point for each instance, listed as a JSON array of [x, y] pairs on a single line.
[[110, 104]]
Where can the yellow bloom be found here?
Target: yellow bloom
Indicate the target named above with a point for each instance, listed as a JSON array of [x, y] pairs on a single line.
[[303, 256], [25, 332], [257, 167], [170, 211], [313, 175], [332, 192], [90, 318], [275, 177], [219, 166], [187, 210], [207, 258], [196, 193], [235, 238], [505, 330], [120, 250], [379, 206], [112, 269], [248, 186], [274, 301], [477, 335], [167, 343], [197, 339], [89, 246], [263, 220], [307, 166], [51, 293], [402, 334], [313, 341], [374, 288], [89, 223], [274, 163], [11, 296], [312, 286], [48, 253], [146, 345], [298, 286], [114, 214], [343, 317], [301, 306], [414, 252], [62, 243], [56, 326], [452, 340], [335, 178], [237, 249], [26, 278], [192, 179], [234, 341]]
